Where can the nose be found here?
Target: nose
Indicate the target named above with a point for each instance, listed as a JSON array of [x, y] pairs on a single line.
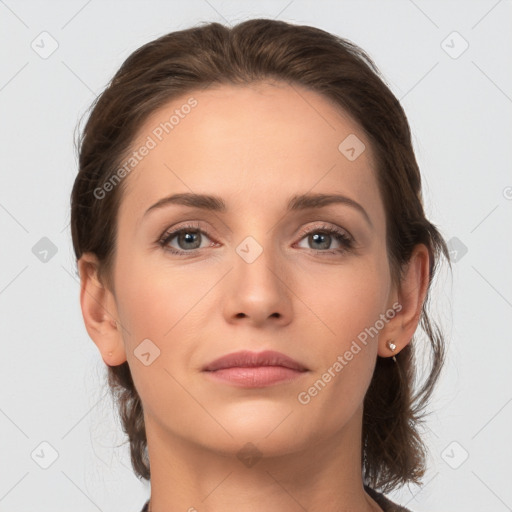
[[259, 287]]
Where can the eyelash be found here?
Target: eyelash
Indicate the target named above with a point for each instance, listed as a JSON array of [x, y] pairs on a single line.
[[344, 239]]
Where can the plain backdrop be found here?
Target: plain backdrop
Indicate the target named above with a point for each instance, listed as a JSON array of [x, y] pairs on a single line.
[[61, 444]]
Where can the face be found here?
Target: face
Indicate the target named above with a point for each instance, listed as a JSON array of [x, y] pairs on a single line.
[[308, 281]]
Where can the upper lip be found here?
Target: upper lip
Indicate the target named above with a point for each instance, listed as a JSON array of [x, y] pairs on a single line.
[[246, 358]]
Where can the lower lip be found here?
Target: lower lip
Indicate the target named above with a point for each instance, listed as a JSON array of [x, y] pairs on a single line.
[[255, 377]]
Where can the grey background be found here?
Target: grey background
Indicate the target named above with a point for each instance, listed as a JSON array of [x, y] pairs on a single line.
[[52, 378]]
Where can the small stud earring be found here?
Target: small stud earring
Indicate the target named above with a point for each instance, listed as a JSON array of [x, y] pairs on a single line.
[[391, 347]]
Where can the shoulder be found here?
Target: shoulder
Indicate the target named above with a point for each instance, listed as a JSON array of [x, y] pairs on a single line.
[[386, 504]]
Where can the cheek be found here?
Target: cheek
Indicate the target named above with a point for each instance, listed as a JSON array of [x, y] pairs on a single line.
[[349, 304], [348, 300], [158, 305], [152, 301]]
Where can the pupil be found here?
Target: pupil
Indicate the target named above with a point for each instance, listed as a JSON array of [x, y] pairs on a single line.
[[317, 237], [188, 237]]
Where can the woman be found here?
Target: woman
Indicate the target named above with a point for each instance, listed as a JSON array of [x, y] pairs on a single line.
[[270, 365]]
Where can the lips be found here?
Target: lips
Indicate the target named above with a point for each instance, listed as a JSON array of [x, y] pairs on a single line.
[[248, 359]]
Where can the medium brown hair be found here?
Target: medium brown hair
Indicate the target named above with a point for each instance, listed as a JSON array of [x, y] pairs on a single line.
[[178, 63]]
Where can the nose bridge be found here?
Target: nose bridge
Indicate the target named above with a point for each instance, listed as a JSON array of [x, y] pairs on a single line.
[[255, 261], [253, 237], [257, 287]]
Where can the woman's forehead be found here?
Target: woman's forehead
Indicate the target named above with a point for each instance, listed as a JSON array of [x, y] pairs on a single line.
[[253, 143], [259, 109]]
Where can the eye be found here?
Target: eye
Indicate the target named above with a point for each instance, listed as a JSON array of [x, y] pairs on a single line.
[[188, 238], [321, 238]]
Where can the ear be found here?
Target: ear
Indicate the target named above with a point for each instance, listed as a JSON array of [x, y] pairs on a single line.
[[99, 312], [410, 296]]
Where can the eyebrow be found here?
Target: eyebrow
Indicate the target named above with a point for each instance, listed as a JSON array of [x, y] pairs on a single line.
[[295, 203]]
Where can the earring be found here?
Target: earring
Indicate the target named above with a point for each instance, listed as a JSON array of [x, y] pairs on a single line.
[[391, 347]]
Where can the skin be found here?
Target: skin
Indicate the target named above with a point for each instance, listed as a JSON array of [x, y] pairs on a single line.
[[255, 146]]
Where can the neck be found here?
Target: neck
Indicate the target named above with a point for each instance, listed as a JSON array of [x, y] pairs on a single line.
[[325, 475]]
